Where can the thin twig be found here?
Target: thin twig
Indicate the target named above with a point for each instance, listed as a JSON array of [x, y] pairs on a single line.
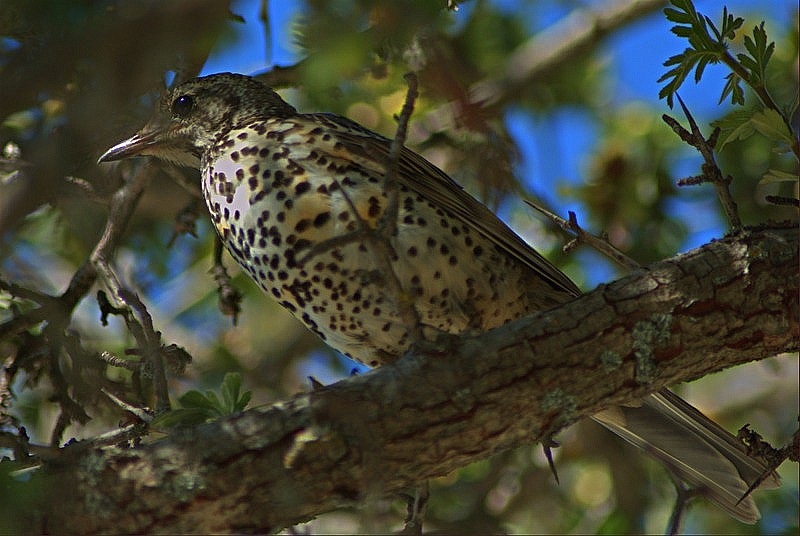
[[143, 414], [386, 228], [711, 171], [87, 189], [415, 509], [784, 201], [683, 494], [140, 325], [388, 223], [116, 361], [263, 16], [601, 244]]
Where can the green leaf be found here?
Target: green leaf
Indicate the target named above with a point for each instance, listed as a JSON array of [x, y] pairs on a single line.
[[682, 31], [680, 17], [230, 389], [180, 417], [770, 124], [714, 28], [734, 126], [776, 175], [734, 88], [197, 400], [234, 400], [701, 66]]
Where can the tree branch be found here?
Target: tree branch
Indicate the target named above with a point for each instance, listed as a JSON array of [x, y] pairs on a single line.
[[726, 303]]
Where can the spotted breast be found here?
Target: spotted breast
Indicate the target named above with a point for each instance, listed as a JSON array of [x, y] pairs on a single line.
[[289, 196]]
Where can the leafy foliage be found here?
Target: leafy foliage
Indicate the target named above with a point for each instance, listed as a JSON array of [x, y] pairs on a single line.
[[709, 44], [197, 407]]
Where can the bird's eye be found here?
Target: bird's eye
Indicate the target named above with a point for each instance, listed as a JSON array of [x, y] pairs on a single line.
[[182, 106]]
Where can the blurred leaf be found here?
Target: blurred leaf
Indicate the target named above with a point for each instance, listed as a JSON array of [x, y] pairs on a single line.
[[776, 175], [770, 124]]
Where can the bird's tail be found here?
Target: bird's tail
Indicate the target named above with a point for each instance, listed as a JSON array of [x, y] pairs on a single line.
[[698, 451]]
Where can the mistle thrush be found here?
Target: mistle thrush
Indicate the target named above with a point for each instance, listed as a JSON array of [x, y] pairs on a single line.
[[285, 191]]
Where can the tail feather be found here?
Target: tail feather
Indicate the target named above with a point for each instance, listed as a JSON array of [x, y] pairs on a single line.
[[696, 449]]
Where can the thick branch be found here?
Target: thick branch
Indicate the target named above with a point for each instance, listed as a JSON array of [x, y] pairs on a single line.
[[727, 303]]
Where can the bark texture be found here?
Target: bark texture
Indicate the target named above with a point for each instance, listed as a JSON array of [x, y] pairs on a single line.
[[726, 303]]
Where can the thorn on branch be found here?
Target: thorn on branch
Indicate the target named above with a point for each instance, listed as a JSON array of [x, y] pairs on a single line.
[[757, 447], [549, 443]]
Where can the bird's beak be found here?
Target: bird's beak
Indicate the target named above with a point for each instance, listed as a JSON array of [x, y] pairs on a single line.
[[138, 144]]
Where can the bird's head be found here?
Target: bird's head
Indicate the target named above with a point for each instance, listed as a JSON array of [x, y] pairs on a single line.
[[194, 115]]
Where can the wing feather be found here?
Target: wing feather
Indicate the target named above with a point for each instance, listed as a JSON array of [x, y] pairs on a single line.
[[416, 173]]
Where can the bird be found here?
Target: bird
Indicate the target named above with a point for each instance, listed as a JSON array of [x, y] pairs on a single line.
[[298, 200]]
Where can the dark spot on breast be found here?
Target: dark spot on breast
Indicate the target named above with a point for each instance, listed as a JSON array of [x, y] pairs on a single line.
[[321, 218], [301, 244], [302, 187]]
